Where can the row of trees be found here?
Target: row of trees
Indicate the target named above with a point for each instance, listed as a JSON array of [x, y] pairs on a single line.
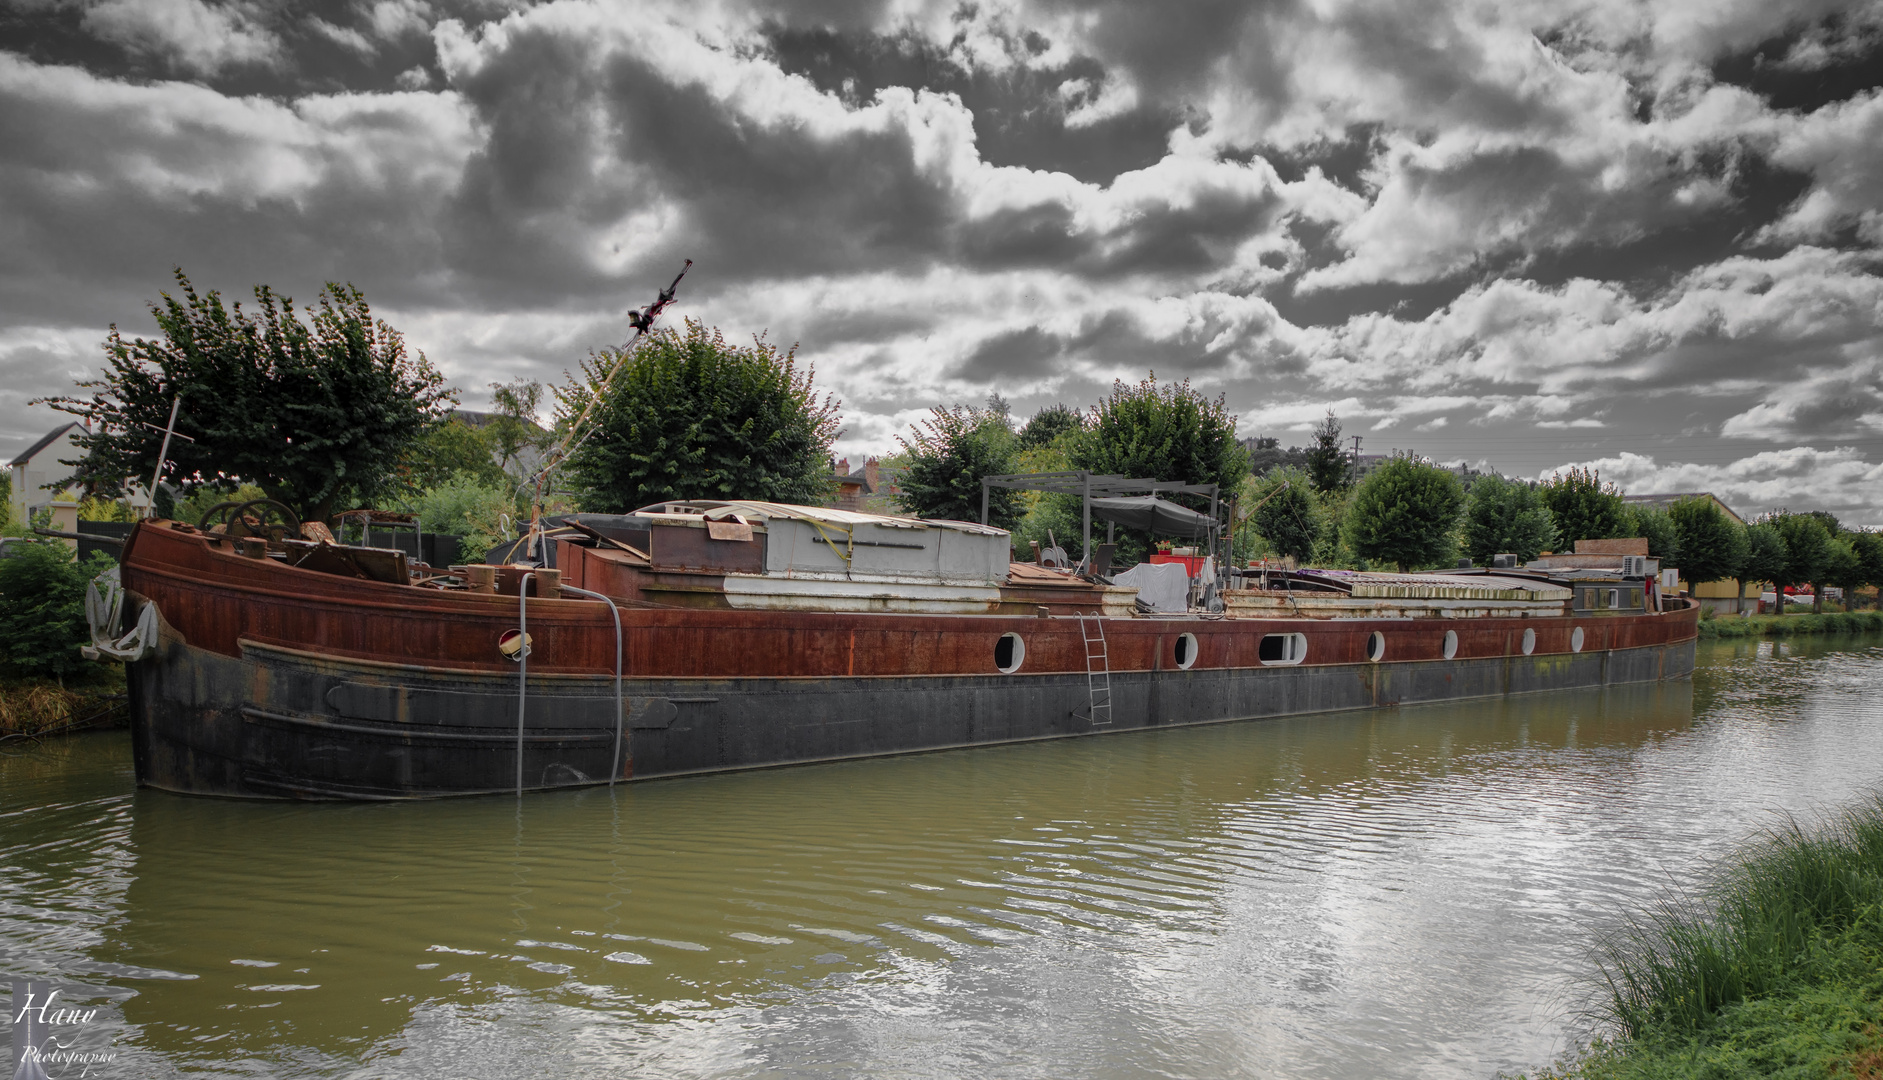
[[326, 410]]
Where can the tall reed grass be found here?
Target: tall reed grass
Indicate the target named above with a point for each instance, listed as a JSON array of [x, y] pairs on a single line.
[[1799, 906]]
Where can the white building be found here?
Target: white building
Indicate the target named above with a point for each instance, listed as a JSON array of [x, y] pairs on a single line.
[[35, 470]]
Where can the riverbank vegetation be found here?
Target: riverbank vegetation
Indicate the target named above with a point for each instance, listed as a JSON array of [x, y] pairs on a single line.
[[1752, 626], [1775, 970]]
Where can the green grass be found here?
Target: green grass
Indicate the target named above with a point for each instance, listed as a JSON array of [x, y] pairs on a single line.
[[1749, 626], [1775, 971]]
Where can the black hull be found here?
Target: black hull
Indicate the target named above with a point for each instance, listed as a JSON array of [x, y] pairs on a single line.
[[283, 724]]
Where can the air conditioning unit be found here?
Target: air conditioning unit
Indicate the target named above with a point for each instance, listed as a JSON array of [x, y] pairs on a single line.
[[1634, 566], [1504, 562]]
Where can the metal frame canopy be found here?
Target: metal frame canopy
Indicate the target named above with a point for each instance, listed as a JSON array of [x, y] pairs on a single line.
[[1086, 485]]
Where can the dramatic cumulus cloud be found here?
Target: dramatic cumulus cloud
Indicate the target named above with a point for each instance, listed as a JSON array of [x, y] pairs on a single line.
[[1646, 236]]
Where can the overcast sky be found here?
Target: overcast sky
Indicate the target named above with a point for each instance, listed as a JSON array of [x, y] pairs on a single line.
[[1531, 233]]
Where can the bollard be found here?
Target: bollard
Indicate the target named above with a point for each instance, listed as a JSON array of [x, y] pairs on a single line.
[[482, 579]]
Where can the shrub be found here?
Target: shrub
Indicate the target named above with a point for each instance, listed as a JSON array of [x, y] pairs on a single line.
[[42, 610], [693, 417], [1404, 513], [469, 507]]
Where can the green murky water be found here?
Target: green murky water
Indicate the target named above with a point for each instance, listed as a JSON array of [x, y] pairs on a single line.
[[1406, 893]]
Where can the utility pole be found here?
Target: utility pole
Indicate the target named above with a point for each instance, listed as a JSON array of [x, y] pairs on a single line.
[[1354, 476]]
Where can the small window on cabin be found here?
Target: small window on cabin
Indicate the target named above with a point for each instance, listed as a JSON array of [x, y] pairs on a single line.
[[1614, 598], [1529, 640], [1451, 644], [1634, 598], [1376, 646], [1277, 649], [1575, 640]]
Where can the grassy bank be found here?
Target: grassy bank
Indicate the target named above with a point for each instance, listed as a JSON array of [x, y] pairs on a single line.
[[1746, 626], [1777, 971], [32, 707]]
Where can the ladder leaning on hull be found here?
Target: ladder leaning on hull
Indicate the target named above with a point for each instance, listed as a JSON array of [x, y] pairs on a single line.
[[1097, 670]]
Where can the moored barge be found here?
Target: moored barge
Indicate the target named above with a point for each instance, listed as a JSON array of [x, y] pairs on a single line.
[[692, 638]]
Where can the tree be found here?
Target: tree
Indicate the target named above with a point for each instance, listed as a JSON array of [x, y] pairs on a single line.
[[513, 433], [1807, 545], [688, 416], [948, 454], [318, 414], [1653, 524], [1869, 549], [1265, 453], [1583, 507], [1766, 558], [1712, 546], [1290, 520], [451, 449], [1327, 466], [42, 610], [1163, 431], [1048, 425], [1842, 568], [1506, 516], [1404, 513]]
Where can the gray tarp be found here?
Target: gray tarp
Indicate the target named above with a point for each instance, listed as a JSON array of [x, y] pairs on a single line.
[[1143, 512]]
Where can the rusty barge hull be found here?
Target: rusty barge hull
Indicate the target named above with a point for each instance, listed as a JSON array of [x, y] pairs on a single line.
[[272, 682]]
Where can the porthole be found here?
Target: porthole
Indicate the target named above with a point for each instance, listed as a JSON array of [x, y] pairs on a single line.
[[1575, 640], [1529, 641], [1186, 651], [1278, 649], [1451, 644], [1009, 653], [1376, 646]]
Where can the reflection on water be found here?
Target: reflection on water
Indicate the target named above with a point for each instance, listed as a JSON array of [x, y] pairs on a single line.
[[1409, 892]]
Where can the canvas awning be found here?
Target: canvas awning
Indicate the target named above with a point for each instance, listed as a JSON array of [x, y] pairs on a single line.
[[1148, 512]]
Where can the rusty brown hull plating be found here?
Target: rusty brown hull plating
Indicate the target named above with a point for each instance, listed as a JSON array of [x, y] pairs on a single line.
[[272, 681]]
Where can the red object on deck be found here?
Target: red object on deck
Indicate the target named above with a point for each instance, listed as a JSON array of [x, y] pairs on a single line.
[[1193, 564]]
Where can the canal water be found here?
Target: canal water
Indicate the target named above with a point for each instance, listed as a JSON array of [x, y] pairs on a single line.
[[1404, 893]]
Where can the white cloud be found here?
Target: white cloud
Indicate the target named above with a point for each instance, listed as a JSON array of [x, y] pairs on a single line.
[[196, 35], [1802, 477]]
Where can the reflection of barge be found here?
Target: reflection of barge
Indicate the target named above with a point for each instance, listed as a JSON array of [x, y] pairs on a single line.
[[753, 634]]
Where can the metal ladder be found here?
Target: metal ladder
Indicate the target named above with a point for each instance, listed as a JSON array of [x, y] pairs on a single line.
[[1097, 679]]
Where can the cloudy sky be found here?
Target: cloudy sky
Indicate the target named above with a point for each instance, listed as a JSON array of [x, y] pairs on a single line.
[[1647, 235]]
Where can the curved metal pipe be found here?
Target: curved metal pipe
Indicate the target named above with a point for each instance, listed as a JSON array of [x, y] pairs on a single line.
[[620, 713]]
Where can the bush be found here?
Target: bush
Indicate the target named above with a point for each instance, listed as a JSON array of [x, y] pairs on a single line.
[[692, 417], [471, 508], [947, 461], [1404, 513], [1506, 516], [42, 610]]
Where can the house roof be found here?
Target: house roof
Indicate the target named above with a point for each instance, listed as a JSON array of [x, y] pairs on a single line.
[[47, 440], [1671, 498]]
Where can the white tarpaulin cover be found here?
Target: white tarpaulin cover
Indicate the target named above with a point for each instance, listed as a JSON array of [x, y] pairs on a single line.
[[1164, 586]]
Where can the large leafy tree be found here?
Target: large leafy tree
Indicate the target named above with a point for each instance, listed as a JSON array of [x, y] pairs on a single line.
[[318, 413], [1327, 466], [1766, 557], [947, 455], [451, 450], [1584, 507], [1506, 517], [1713, 547], [1807, 547], [1842, 568], [1048, 425], [689, 416], [1404, 513], [1287, 514], [1657, 527], [1869, 549], [1163, 431]]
